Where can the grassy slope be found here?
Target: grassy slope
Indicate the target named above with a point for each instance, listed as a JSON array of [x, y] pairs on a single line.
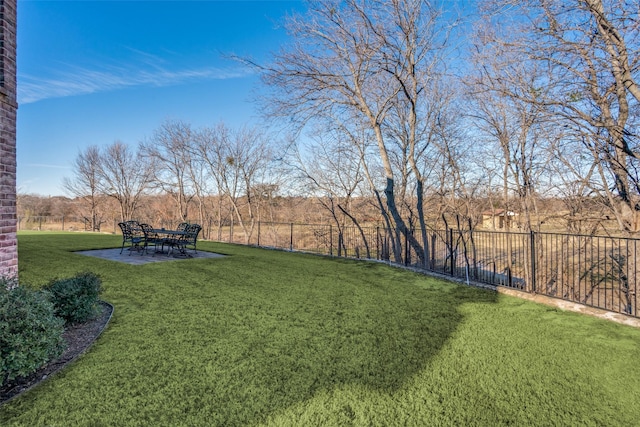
[[264, 337]]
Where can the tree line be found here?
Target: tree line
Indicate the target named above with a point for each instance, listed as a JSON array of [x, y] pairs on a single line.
[[190, 169], [422, 113]]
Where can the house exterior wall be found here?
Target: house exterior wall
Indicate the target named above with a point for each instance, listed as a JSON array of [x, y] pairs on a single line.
[[8, 112]]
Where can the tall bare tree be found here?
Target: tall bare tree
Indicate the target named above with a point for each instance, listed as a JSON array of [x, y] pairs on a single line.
[[124, 176], [518, 129], [330, 170], [590, 51], [209, 147], [169, 150], [237, 160], [86, 184], [361, 58]]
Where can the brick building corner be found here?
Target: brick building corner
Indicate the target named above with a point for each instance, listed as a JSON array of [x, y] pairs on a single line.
[[8, 162]]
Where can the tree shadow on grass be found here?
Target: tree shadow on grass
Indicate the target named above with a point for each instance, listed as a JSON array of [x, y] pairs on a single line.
[[375, 337], [247, 340]]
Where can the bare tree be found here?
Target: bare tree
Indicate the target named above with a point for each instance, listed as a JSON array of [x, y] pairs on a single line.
[[209, 147], [415, 56], [237, 161], [169, 150], [247, 157], [329, 169], [124, 176], [361, 59], [199, 177], [518, 129], [581, 190], [86, 183], [590, 51]]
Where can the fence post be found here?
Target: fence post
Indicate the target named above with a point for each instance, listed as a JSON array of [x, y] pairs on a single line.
[[331, 239], [258, 233], [291, 237], [432, 264], [450, 234], [406, 247], [532, 236]]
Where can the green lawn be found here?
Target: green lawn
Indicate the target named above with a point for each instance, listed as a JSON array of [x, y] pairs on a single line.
[[271, 338]]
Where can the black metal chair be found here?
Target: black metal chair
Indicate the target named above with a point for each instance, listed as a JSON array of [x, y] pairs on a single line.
[[151, 238], [132, 234], [191, 238], [175, 241], [188, 240]]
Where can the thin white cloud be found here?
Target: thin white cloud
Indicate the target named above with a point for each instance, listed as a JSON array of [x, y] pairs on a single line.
[[41, 165], [83, 81]]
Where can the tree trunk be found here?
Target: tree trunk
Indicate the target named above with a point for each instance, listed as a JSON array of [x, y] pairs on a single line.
[[401, 227]]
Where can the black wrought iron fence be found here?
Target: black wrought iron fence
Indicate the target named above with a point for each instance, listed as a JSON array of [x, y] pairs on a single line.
[[597, 271], [60, 223], [78, 223]]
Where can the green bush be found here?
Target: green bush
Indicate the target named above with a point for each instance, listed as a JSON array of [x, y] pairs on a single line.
[[8, 282], [76, 298], [30, 333]]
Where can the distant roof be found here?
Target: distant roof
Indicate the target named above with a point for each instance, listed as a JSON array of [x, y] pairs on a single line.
[[499, 212]]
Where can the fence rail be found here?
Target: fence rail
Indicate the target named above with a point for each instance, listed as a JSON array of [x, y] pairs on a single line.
[[596, 271]]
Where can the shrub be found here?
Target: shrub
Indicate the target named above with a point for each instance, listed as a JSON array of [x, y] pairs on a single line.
[[76, 298], [8, 282], [30, 333]]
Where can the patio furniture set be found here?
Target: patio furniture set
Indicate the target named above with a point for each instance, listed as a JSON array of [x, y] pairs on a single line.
[[141, 237]]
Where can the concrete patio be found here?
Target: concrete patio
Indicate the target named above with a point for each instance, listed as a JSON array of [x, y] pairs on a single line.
[[136, 258]]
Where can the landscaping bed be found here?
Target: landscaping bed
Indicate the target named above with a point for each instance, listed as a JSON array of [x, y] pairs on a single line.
[[78, 339]]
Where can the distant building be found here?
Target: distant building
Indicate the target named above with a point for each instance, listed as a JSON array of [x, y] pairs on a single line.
[[8, 112], [499, 219]]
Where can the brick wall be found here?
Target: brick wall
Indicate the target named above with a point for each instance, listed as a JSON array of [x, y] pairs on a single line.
[[8, 111]]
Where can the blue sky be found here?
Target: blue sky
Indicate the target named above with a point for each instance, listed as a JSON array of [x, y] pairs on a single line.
[[92, 72]]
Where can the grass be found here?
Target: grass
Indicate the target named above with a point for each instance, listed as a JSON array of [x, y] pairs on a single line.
[[270, 338]]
